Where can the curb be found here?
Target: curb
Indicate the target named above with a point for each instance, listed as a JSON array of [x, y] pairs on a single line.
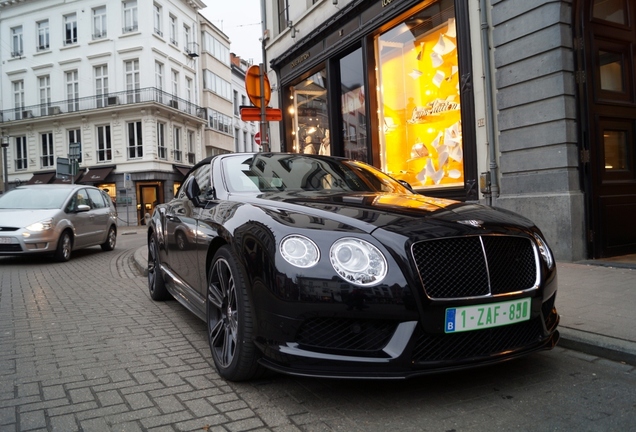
[[598, 345], [141, 260]]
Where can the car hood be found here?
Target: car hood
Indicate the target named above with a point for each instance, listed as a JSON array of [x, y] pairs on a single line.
[[24, 218], [416, 214]]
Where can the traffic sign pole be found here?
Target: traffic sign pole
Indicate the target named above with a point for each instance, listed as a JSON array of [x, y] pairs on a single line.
[[263, 125]]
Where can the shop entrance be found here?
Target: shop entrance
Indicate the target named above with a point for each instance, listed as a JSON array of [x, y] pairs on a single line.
[[606, 35], [148, 199]]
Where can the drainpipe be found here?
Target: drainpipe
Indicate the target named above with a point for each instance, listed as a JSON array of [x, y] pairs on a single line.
[[490, 123]]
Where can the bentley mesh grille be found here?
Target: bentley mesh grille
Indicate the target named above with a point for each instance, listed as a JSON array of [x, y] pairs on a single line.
[[475, 266], [475, 344], [346, 334]]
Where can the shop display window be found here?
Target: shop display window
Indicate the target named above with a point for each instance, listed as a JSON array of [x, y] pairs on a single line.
[[110, 189], [353, 106], [308, 113], [419, 99]]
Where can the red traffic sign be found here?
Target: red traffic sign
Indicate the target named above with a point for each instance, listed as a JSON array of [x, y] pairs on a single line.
[[254, 114], [257, 138]]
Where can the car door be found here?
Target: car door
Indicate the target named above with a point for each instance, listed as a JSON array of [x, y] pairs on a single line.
[[81, 220], [99, 216], [180, 236]]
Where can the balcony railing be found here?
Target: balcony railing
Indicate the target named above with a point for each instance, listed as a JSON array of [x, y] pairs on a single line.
[[106, 101]]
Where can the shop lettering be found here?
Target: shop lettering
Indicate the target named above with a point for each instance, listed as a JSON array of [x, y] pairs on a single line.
[[299, 60], [385, 3]]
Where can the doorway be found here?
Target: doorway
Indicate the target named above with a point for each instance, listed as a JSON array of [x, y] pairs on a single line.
[[606, 36], [148, 200]]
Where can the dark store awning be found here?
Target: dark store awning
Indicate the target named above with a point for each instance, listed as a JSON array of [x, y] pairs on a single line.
[[97, 175], [41, 178], [182, 170], [67, 179]]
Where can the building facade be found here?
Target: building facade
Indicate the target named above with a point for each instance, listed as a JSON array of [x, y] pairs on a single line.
[[525, 105], [216, 85], [244, 132], [90, 81]]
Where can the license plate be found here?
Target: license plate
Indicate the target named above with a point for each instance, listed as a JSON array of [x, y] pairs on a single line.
[[483, 316], [5, 240]]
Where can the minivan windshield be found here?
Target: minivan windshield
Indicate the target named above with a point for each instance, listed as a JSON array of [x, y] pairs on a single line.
[[32, 198]]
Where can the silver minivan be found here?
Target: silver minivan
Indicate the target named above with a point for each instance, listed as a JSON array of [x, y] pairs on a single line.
[[56, 219]]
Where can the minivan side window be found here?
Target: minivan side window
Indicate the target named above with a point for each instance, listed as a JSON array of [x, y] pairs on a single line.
[[96, 199]]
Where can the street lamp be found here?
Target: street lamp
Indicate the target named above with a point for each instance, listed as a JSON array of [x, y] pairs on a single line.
[[5, 177]]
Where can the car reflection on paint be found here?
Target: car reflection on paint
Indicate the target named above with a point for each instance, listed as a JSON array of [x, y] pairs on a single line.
[[319, 266]]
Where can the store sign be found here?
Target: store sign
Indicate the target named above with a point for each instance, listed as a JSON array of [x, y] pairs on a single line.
[[299, 60]]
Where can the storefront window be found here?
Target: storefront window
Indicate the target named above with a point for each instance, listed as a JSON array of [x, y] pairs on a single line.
[[308, 111], [419, 100], [353, 106]]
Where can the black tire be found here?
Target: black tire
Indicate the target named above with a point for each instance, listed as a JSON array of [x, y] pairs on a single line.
[[64, 247], [111, 240], [230, 320], [156, 284]]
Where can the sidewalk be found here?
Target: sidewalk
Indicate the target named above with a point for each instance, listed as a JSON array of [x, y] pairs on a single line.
[[596, 301]]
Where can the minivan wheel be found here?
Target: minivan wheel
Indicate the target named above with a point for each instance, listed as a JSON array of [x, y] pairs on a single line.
[[64, 247]]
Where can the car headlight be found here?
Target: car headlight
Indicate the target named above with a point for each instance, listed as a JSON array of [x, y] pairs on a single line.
[[358, 261], [41, 226], [299, 251], [544, 250]]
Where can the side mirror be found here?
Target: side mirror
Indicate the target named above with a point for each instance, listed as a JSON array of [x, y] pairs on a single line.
[[406, 185], [82, 208]]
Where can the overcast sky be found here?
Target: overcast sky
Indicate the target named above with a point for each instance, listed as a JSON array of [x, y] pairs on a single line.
[[240, 20]]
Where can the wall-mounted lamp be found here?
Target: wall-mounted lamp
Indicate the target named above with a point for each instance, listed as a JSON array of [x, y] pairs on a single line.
[[292, 29]]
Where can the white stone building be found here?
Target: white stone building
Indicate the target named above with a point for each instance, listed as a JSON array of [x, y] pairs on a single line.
[[96, 77], [216, 85]]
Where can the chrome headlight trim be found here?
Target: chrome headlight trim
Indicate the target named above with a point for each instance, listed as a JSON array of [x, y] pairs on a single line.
[[299, 251], [358, 262]]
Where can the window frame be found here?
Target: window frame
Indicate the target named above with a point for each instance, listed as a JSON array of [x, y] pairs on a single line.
[[47, 150], [104, 143], [17, 41], [135, 141], [70, 34], [43, 36], [162, 149], [100, 22], [130, 13], [176, 142], [21, 161]]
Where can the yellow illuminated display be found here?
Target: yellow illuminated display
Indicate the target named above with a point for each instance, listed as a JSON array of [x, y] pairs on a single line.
[[419, 102]]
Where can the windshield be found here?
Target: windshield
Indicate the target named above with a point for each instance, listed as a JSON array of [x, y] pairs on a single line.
[[30, 199], [265, 172]]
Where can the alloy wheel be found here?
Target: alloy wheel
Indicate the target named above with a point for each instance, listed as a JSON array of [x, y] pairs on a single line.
[[222, 313]]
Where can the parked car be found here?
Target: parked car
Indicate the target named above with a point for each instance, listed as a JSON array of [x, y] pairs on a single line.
[[56, 219], [319, 266]]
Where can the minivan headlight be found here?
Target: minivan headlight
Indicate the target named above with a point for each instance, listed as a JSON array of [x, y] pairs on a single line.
[[44, 225]]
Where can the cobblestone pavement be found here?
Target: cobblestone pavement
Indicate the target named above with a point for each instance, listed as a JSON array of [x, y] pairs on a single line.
[[83, 348]]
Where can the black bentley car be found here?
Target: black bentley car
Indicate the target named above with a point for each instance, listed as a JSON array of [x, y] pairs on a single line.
[[319, 266]]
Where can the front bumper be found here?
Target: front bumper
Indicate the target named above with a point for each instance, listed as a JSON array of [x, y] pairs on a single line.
[[388, 349]]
